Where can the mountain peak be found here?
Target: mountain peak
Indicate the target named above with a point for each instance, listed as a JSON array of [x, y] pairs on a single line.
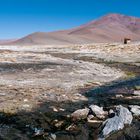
[[109, 28], [116, 16]]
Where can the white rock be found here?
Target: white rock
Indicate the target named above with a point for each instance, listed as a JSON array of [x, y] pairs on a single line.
[[26, 106], [123, 116], [61, 109], [25, 100], [135, 109], [55, 109], [119, 96], [2, 94], [90, 117], [136, 93], [98, 111], [111, 125]]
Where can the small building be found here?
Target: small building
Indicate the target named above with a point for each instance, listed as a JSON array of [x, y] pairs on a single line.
[[127, 40]]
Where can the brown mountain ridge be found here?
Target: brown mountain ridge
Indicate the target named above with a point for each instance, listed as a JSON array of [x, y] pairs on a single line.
[[109, 28]]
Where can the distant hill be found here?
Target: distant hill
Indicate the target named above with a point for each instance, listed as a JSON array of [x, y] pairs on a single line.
[[6, 41], [109, 28]]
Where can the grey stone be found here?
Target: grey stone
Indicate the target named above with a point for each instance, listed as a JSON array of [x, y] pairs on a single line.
[[123, 116], [111, 125], [135, 109], [80, 114], [98, 111]]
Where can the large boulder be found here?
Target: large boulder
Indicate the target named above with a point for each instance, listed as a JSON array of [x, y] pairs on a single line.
[[98, 111], [135, 109], [123, 116], [111, 125]]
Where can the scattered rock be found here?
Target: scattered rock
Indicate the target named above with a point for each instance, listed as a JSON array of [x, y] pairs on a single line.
[[90, 117], [136, 93], [72, 127], [61, 109], [123, 116], [38, 131], [2, 94], [135, 109], [25, 100], [80, 114], [25, 106], [51, 137], [58, 124], [55, 109], [132, 98], [119, 96], [98, 111]]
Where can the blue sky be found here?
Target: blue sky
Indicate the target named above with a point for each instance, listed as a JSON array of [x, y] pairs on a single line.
[[21, 17]]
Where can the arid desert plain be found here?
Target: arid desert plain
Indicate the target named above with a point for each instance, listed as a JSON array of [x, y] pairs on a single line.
[[70, 92]]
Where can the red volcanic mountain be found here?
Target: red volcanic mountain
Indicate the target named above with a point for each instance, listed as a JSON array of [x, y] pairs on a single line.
[[110, 28]]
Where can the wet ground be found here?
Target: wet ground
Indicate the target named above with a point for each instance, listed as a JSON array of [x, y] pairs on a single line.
[[40, 86]]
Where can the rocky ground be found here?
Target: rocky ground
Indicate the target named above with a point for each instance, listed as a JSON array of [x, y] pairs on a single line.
[[70, 92]]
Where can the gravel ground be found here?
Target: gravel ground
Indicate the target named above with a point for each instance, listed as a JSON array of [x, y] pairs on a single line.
[[50, 79]]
